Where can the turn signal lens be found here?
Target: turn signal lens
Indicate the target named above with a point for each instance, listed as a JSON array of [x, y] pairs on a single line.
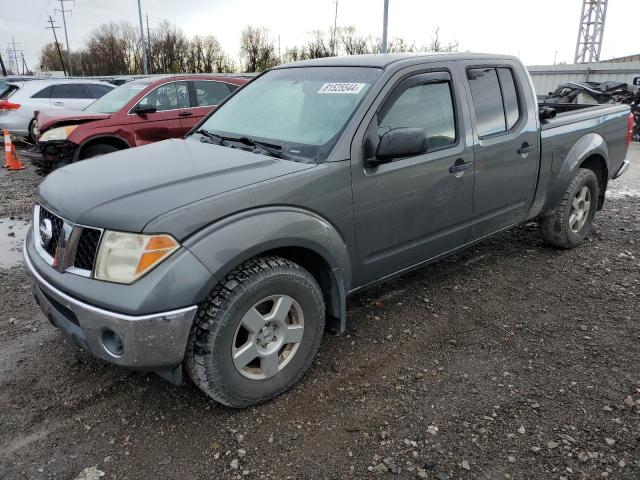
[[125, 257]]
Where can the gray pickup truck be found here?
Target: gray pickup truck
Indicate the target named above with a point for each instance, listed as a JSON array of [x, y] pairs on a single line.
[[229, 252]]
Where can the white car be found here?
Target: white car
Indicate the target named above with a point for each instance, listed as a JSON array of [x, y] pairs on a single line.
[[21, 99]]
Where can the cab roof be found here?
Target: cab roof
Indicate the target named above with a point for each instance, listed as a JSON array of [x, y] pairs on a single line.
[[384, 60]]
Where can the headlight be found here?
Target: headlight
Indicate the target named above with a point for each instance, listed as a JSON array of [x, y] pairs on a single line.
[[60, 133], [125, 257]]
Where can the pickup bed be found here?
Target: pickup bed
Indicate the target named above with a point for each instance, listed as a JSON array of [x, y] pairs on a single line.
[[229, 252]]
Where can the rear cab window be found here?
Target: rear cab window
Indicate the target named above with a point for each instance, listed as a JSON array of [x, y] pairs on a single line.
[[495, 99]]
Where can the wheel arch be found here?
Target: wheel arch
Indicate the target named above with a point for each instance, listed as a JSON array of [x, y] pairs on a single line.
[[591, 152], [292, 233], [114, 140]]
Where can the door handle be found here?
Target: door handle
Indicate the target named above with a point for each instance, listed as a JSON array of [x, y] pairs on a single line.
[[185, 114], [59, 104], [459, 166], [526, 148]]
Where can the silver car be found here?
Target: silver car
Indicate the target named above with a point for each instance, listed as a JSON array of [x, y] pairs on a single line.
[[21, 99]]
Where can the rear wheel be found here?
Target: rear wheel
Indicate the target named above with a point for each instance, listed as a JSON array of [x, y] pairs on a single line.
[[569, 222], [32, 133], [97, 150], [257, 332]]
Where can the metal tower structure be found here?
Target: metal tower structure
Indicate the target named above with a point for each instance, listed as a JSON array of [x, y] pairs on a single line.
[[592, 18]]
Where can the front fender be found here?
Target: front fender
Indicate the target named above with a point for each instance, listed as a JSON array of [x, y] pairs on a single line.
[[589, 145], [228, 242]]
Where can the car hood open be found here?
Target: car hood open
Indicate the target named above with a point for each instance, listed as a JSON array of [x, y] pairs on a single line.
[[125, 190]]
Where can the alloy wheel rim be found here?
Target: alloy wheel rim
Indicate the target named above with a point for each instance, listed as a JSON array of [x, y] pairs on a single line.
[[268, 337], [580, 207]]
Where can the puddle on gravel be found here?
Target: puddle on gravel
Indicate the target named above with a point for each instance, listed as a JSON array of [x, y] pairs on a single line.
[[12, 233]]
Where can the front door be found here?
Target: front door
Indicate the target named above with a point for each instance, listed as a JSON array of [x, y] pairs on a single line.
[[416, 208], [169, 100], [506, 149]]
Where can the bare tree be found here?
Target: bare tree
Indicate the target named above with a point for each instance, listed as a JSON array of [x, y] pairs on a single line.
[[319, 46], [437, 46], [257, 49], [352, 43]]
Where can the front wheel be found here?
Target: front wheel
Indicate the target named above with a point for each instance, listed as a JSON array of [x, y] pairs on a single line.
[[256, 333], [97, 150], [570, 221]]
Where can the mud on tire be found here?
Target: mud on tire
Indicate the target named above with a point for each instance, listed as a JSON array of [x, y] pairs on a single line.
[[555, 226], [210, 359]]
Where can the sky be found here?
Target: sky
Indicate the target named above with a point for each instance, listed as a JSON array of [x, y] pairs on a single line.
[[538, 31]]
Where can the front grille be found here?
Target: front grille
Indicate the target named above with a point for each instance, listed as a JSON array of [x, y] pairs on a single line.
[[64, 245], [56, 230], [87, 248]]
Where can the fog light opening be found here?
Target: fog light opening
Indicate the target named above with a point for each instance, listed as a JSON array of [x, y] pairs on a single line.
[[112, 343]]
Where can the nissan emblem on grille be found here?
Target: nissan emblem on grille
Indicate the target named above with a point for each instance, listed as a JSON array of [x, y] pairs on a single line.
[[46, 232]]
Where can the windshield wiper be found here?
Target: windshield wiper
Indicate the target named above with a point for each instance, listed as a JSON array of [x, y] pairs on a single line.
[[270, 148]]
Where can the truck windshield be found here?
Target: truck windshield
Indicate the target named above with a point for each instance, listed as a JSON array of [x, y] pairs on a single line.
[[300, 111], [116, 99]]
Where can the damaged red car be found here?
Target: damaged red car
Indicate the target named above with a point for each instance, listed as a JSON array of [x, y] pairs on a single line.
[[136, 113]]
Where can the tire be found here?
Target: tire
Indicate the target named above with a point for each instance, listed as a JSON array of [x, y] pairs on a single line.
[[227, 332], [560, 227], [31, 137], [97, 150]]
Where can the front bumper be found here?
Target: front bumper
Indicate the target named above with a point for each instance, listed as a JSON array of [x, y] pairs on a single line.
[[56, 153], [146, 342]]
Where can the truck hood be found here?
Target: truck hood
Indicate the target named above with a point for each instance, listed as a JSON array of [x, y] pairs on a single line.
[[47, 118], [125, 190]]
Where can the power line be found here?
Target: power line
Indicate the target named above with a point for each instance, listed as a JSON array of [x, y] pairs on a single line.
[[55, 37], [66, 35]]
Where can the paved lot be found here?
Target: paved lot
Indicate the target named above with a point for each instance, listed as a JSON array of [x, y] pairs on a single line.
[[512, 360]]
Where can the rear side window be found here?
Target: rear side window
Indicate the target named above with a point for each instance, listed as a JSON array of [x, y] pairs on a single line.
[[495, 99], [428, 106], [69, 90], [210, 93], [509, 96], [96, 91], [44, 93]]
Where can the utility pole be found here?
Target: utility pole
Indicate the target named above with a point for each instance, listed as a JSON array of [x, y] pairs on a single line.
[[148, 43], [15, 55], [142, 42], [24, 64], [385, 21], [55, 37], [66, 35], [4, 70], [335, 32]]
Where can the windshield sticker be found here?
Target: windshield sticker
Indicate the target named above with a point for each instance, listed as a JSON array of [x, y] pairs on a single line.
[[350, 88]]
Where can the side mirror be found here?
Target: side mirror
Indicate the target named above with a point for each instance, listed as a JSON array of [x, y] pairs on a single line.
[[144, 109], [400, 142]]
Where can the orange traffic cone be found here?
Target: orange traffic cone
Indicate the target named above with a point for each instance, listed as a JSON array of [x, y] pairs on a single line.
[[11, 159]]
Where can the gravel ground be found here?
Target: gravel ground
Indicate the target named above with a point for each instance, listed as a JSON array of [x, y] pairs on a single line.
[[510, 361]]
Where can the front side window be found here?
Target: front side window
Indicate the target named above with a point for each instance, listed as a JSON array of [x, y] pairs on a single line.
[[210, 92], [428, 106], [69, 90], [169, 96], [96, 91], [301, 110], [495, 99]]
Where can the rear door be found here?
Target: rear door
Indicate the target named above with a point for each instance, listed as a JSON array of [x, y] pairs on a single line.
[[206, 95], [69, 96], [506, 146], [416, 208], [169, 100], [97, 90]]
